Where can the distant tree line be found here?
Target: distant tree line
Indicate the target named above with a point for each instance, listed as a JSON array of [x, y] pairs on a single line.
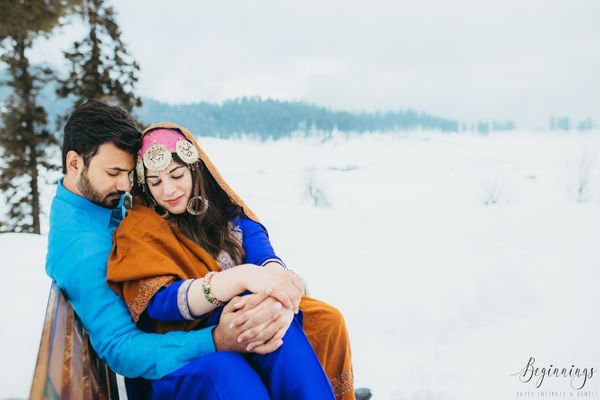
[[566, 124], [273, 119]]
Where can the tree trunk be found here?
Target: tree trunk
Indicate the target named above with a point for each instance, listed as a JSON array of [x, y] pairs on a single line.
[[27, 127], [35, 193]]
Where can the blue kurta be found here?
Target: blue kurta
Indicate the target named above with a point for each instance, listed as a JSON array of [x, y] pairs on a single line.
[[79, 244]]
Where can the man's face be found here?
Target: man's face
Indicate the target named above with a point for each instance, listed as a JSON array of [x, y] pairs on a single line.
[[106, 177]]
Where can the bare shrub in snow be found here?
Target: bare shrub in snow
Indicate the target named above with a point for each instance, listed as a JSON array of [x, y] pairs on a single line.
[[493, 189], [315, 192], [580, 176]]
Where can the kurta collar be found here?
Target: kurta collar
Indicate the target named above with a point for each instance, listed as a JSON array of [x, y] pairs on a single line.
[[99, 213]]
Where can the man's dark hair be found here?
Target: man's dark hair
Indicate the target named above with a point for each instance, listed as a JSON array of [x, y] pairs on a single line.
[[94, 123]]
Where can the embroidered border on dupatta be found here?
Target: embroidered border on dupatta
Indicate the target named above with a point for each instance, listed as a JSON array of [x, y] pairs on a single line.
[[148, 288], [342, 384]]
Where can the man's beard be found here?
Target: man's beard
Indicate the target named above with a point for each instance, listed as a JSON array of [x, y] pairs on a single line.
[[87, 190]]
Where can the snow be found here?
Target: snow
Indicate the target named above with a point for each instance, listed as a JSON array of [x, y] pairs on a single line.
[[24, 288], [454, 258]]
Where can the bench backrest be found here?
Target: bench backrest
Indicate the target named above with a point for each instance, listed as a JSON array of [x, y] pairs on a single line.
[[67, 366]]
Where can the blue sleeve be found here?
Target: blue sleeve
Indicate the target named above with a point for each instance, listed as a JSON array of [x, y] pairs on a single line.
[[78, 264], [256, 242], [164, 306]]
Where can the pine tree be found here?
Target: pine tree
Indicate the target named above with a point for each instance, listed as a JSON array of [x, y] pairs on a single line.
[[101, 66], [24, 137]]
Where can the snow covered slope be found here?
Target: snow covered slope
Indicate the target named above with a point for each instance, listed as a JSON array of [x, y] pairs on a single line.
[[455, 258]]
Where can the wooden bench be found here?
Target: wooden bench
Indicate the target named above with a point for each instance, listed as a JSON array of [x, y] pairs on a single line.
[[67, 366]]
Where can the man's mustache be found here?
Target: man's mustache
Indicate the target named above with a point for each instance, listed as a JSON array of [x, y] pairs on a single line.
[[118, 194]]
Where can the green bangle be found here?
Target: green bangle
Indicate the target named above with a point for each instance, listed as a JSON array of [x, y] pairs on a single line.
[[206, 289]]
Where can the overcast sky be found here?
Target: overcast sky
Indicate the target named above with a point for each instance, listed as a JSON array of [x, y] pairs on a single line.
[[520, 59]]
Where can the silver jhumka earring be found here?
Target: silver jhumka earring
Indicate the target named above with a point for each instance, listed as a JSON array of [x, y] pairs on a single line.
[[197, 205]]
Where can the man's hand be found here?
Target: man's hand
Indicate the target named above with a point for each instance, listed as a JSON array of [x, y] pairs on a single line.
[[252, 311], [259, 329]]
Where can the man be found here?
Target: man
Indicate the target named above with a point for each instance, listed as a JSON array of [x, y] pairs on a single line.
[[100, 142]]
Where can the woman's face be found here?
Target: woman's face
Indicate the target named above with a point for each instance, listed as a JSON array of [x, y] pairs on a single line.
[[171, 187]]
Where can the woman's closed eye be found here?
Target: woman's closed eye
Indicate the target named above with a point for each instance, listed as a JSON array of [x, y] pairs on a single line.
[[159, 181]]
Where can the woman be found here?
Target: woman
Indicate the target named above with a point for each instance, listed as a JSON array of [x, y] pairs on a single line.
[[188, 224]]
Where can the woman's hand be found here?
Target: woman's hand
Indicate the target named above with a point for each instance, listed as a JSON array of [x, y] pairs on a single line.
[[277, 282]]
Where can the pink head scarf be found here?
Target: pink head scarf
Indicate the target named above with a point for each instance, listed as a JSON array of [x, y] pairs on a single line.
[[166, 137]]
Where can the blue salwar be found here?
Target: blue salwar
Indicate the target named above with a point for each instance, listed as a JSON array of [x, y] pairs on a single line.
[[291, 372]]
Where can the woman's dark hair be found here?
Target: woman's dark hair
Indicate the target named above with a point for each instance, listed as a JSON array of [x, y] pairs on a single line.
[[209, 230], [94, 123]]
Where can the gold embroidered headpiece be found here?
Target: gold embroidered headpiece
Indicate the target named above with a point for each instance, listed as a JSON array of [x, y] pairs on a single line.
[[157, 146]]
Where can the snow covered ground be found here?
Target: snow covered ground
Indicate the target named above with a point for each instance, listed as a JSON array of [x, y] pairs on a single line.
[[455, 258]]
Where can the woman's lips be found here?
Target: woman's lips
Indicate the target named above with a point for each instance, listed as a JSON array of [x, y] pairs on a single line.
[[174, 201]]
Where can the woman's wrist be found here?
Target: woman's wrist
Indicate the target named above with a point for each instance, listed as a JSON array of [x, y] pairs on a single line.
[[244, 275], [229, 283], [274, 263]]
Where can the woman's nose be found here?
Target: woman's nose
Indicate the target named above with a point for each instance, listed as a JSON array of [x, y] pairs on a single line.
[[168, 187]]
